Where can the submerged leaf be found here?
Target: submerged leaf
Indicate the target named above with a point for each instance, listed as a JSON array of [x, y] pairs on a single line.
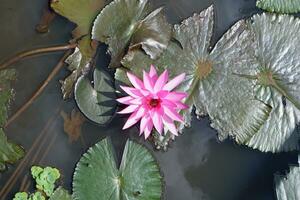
[[9, 152], [131, 25], [60, 194], [97, 177], [6, 93], [97, 101], [81, 12], [72, 124], [210, 81], [279, 6]]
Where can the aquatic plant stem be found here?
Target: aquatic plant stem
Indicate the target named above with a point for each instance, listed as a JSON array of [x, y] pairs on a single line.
[[56, 69], [38, 51]]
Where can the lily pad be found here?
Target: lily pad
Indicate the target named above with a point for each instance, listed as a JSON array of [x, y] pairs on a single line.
[[211, 83], [130, 26], [97, 101], [287, 186], [81, 12], [60, 194], [97, 177], [276, 80], [279, 6]]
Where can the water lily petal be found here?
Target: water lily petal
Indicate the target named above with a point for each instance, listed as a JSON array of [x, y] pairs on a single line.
[[170, 125], [157, 121], [148, 82], [134, 118], [148, 129], [132, 91], [125, 100], [174, 82], [135, 81], [129, 109], [153, 73], [181, 106], [176, 96], [144, 121], [172, 114], [161, 81]]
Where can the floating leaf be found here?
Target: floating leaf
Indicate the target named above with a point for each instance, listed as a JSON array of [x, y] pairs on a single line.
[[275, 78], [81, 12], [21, 196], [210, 81], [97, 101], [97, 177], [132, 25], [279, 6], [60, 194], [287, 186], [79, 64], [36, 196], [45, 178]]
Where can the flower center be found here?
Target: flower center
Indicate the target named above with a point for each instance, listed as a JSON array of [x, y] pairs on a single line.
[[154, 103]]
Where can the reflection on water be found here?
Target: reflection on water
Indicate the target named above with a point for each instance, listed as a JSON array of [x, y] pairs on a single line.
[[197, 167]]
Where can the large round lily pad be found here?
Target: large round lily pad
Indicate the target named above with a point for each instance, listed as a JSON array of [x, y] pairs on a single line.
[[97, 176]]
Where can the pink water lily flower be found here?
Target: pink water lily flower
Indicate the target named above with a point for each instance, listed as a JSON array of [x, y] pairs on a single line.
[[153, 102]]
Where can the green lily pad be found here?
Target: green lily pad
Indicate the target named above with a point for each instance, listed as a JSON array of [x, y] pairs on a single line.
[[97, 177], [79, 64], [211, 83], [60, 194], [81, 12], [130, 26], [279, 6], [97, 101], [287, 186], [45, 178]]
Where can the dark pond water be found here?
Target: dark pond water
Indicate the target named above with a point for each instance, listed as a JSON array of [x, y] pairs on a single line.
[[196, 167]]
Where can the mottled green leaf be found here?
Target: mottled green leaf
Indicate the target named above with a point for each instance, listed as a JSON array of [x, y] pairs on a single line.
[[21, 196], [6, 93], [45, 178], [130, 26], [279, 6], [36, 196], [81, 12], [97, 177], [97, 100], [9, 152], [79, 64], [287, 186], [60, 194], [210, 82]]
